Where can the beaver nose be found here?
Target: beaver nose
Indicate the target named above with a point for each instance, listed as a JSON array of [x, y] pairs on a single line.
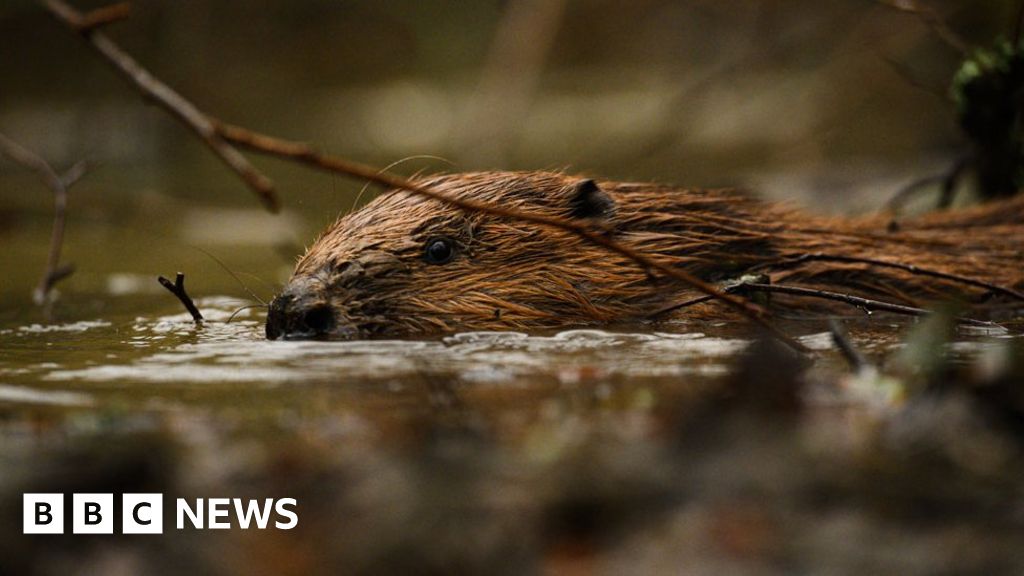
[[298, 318]]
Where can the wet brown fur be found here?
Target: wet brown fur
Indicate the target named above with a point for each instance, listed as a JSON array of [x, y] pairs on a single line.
[[510, 275]]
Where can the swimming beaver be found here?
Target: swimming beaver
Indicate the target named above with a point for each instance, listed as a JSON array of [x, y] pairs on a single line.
[[405, 265]]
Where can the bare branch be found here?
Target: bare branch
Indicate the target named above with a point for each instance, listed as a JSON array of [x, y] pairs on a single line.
[[911, 269], [24, 157], [74, 174], [165, 97], [681, 305], [863, 303], [220, 137], [303, 153], [842, 341], [948, 181], [178, 289]]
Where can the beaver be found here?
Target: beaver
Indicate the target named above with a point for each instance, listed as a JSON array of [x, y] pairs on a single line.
[[406, 265]]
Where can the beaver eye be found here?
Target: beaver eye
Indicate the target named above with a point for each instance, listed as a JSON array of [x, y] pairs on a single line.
[[439, 251]]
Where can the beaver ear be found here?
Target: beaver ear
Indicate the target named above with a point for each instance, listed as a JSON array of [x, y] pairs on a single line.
[[587, 200]]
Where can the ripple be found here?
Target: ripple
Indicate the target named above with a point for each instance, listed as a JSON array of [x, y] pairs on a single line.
[[172, 349], [73, 327], [26, 395]]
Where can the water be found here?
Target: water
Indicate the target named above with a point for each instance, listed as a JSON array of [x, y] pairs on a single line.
[[153, 360], [632, 449], [140, 356]]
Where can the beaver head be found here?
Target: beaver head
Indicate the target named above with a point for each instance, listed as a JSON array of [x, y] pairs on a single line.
[[405, 265]]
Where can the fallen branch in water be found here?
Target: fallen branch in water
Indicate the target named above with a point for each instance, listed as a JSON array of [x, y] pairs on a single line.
[[86, 25], [911, 268], [58, 184], [178, 289]]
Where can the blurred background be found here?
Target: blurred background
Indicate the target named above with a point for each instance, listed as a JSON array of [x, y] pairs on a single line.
[[583, 452]]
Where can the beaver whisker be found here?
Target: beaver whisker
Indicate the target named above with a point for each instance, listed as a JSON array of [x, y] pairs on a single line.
[[393, 165], [242, 309], [272, 286], [233, 275]]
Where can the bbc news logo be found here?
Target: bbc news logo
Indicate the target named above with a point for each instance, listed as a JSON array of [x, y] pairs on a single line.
[[144, 513]]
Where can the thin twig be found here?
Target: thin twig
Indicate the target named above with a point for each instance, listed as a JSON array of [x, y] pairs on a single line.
[[165, 97], [911, 268], [178, 289], [948, 179], [866, 304], [729, 288], [904, 194], [303, 153], [57, 184], [218, 135], [948, 190], [74, 174], [842, 341], [681, 305]]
